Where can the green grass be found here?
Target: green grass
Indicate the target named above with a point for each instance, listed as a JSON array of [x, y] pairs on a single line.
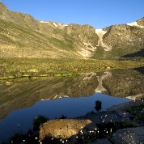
[[67, 44], [18, 67]]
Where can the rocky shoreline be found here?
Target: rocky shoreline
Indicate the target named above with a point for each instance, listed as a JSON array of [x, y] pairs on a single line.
[[121, 124], [114, 126]]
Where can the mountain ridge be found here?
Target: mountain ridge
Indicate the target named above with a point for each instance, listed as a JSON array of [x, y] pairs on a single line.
[[23, 36]]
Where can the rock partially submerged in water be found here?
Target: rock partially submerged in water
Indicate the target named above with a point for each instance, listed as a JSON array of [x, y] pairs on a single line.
[[66, 129], [129, 136]]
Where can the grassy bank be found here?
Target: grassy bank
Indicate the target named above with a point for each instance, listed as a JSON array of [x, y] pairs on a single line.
[[20, 67]]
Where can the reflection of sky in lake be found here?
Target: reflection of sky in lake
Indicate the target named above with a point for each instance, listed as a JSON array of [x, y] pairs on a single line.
[[21, 120]]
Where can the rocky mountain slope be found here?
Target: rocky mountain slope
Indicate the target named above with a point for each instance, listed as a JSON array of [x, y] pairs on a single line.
[[23, 36]]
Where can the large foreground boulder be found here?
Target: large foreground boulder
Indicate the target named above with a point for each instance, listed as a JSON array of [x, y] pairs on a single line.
[[129, 136], [65, 130]]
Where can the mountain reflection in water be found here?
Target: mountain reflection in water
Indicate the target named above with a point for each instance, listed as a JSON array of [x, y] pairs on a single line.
[[21, 100]]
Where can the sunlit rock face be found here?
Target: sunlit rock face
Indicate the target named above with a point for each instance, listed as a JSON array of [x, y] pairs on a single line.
[[66, 130], [140, 22], [122, 35]]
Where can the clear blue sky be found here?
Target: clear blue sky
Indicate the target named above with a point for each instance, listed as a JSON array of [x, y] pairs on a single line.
[[97, 13]]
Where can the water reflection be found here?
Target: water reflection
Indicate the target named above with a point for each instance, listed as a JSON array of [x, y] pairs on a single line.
[[22, 100], [23, 93], [98, 105], [125, 83], [100, 87], [69, 107]]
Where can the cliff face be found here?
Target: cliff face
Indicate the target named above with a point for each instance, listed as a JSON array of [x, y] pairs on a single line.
[[23, 36], [124, 39]]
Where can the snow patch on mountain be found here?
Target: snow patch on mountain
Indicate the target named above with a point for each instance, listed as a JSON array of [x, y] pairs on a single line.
[[100, 34], [65, 25], [135, 24], [44, 21], [85, 53], [55, 24], [87, 50]]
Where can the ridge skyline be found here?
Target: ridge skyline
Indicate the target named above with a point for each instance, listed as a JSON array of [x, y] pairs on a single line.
[[81, 12]]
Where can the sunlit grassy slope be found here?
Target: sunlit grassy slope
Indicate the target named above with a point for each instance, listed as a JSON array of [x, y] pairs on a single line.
[[17, 67]]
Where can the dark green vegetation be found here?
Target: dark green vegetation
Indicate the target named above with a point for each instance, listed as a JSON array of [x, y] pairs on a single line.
[[20, 67]]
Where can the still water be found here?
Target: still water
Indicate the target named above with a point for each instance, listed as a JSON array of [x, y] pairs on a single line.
[[22, 100]]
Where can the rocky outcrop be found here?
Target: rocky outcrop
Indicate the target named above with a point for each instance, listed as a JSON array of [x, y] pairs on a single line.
[[140, 22], [106, 117], [124, 39], [129, 135], [92, 127], [66, 130], [84, 37]]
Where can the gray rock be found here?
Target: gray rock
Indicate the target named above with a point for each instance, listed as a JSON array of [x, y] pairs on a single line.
[[66, 129], [108, 116], [129, 136], [101, 141]]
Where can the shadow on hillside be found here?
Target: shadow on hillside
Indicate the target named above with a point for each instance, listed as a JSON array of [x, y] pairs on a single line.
[[138, 54], [140, 70]]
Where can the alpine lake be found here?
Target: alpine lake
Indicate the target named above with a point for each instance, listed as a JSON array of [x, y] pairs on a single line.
[[24, 99]]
